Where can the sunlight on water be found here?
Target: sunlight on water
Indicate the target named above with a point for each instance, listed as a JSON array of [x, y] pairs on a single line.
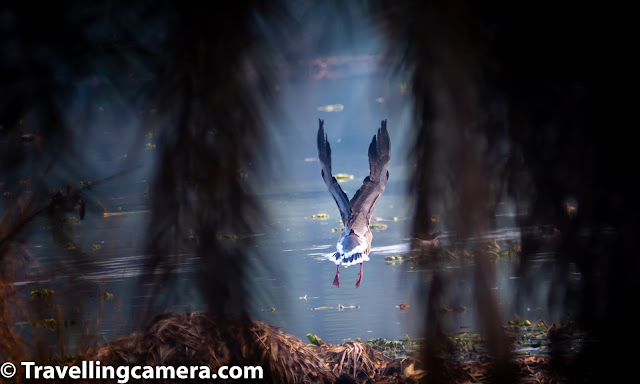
[[288, 274], [293, 290]]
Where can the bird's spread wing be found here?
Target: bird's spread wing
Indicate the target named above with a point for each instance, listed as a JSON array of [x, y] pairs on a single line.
[[324, 153], [364, 201]]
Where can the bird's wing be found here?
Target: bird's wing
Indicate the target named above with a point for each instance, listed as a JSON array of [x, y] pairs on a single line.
[[324, 154], [364, 201]]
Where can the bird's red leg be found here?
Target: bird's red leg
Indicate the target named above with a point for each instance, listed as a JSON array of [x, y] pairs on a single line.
[[359, 277], [336, 280]]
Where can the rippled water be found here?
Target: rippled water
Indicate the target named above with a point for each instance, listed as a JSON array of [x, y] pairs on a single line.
[[289, 277], [299, 246]]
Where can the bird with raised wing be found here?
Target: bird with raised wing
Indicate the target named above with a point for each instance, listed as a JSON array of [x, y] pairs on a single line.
[[354, 243]]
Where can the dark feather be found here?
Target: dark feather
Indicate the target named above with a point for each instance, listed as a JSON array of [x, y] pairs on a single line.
[[324, 154], [365, 199]]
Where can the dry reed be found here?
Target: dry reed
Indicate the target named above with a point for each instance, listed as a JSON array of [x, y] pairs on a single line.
[[205, 339]]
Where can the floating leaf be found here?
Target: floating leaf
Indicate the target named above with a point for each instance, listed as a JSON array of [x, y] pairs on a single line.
[[107, 296], [71, 219], [331, 108], [50, 324], [42, 293], [109, 214], [395, 259], [342, 177]]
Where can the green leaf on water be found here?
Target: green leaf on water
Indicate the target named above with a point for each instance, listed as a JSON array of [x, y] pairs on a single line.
[[313, 339]]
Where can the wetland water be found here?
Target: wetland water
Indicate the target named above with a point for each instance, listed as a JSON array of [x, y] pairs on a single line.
[[287, 266], [300, 245], [287, 263]]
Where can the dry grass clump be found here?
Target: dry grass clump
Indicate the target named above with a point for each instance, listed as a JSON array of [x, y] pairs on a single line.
[[204, 339], [367, 365], [290, 359], [197, 339]]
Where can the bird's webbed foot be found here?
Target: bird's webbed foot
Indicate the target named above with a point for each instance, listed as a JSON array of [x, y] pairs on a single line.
[[359, 277], [336, 280]]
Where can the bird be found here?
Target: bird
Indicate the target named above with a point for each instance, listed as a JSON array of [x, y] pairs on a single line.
[[354, 244]]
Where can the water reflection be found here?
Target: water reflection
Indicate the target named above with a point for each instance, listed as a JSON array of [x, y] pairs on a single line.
[[288, 276], [298, 245]]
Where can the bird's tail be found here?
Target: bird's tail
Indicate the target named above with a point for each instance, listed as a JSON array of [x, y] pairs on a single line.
[[348, 259]]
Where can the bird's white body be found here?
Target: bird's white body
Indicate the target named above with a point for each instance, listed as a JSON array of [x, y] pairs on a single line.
[[354, 244], [348, 254]]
